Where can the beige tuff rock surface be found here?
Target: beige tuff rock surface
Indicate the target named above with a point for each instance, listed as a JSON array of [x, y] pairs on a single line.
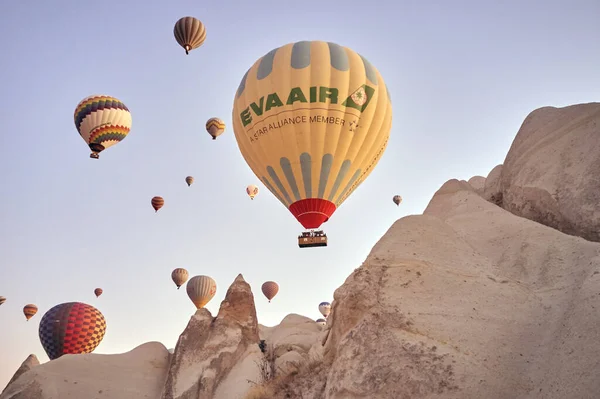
[[465, 301], [552, 171], [478, 184], [138, 374], [492, 191]]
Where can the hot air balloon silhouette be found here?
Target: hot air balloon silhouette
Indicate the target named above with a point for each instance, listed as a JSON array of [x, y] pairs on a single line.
[[252, 191], [189, 33], [270, 289], [2, 300], [325, 308], [157, 203], [215, 127], [312, 119], [189, 180], [102, 121], [29, 311], [98, 292], [71, 328], [179, 276], [397, 199]]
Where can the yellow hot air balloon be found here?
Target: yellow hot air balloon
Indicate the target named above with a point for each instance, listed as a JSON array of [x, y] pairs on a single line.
[[312, 119], [252, 191], [215, 127], [201, 289], [189, 33], [179, 276], [29, 310], [102, 121], [189, 180]]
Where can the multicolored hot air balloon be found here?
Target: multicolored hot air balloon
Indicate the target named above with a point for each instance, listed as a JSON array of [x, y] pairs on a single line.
[[201, 289], [71, 328], [98, 292], [321, 322], [270, 289], [189, 180], [157, 203], [215, 127], [190, 33], [397, 199], [325, 308], [252, 191], [179, 276], [2, 300], [312, 119], [29, 311], [102, 121]]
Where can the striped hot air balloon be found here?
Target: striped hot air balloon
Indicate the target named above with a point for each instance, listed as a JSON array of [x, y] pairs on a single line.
[[270, 289], [312, 120], [321, 321], [252, 191], [179, 276], [29, 311], [215, 127], [2, 300], [190, 33], [71, 328], [201, 289], [189, 180], [325, 308], [157, 203], [102, 121], [98, 292]]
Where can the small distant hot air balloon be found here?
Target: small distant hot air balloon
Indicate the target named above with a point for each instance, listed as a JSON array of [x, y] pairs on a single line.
[[325, 308], [397, 199], [179, 276], [2, 300], [157, 203], [98, 292], [71, 328], [215, 127], [29, 311], [189, 180], [201, 289], [252, 191], [102, 121], [190, 33], [270, 289], [321, 322]]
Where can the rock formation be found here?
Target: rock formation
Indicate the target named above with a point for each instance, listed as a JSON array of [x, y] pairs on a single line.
[[552, 171], [138, 374], [215, 357], [27, 365]]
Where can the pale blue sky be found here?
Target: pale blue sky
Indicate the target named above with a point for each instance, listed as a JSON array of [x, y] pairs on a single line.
[[462, 74]]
